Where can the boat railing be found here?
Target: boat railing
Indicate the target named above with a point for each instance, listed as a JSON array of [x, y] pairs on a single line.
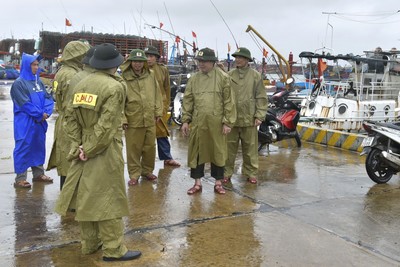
[[355, 115], [363, 92], [378, 91]]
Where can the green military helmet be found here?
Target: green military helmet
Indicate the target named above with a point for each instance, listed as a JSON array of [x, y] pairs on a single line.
[[243, 52], [151, 50], [206, 54], [137, 55]]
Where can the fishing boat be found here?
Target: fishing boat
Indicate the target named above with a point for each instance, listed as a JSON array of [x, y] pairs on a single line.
[[369, 92]]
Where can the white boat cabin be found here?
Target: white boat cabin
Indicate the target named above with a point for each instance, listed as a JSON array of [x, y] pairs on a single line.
[[370, 92]]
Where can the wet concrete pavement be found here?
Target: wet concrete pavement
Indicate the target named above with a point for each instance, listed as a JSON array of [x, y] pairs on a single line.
[[313, 206]]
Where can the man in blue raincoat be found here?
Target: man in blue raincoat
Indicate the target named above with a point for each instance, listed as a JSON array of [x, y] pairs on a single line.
[[32, 107]]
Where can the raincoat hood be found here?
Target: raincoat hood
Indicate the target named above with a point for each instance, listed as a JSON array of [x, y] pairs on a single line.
[[74, 51], [25, 70]]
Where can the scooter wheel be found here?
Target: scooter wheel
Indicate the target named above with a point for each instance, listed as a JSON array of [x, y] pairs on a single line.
[[177, 121], [376, 167]]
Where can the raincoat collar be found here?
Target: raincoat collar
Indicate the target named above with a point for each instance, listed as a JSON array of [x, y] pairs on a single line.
[[25, 70], [129, 74], [242, 71]]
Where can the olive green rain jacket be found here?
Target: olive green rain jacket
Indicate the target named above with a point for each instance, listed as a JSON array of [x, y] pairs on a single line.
[[87, 70], [162, 76], [71, 64], [143, 99], [96, 187], [208, 103], [251, 99]]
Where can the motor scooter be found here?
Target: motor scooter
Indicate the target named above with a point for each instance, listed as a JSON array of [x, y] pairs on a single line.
[[176, 105], [176, 110], [382, 147], [280, 121]]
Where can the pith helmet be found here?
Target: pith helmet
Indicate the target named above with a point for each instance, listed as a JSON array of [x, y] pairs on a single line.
[[206, 54], [106, 56], [151, 50], [88, 55], [137, 55], [243, 52]]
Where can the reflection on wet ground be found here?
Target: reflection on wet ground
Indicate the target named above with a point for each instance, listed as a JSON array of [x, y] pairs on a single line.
[[313, 206]]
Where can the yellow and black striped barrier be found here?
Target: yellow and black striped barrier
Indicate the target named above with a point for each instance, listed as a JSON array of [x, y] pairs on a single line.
[[349, 141]]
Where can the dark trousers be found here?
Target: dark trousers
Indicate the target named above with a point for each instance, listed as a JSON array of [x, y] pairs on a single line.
[[164, 148], [216, 172]]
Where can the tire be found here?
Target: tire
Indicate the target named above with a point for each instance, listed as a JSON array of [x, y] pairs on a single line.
[[177, 106], [377, 169], [176, 120], [298, 140]]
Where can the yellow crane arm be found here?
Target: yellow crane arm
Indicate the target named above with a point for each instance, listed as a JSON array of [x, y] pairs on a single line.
[[286, 73]]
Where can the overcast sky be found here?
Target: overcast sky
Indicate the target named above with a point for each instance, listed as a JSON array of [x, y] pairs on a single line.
[[288, 25]]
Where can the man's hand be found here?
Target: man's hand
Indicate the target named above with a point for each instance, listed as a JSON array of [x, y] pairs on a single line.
[[82, 155], [225, 129], [185, 129], [257, 122], [45, 116], [125, 126]]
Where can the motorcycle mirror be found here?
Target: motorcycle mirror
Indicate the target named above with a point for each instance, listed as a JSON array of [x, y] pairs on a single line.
[[289, 80]]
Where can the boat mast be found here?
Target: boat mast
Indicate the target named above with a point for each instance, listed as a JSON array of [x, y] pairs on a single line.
[[226, 24]]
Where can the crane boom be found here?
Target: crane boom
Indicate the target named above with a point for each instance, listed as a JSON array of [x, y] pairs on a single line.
[[285, 70]]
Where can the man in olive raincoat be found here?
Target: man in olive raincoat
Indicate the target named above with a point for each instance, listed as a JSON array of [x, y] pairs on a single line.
[[80, 75], [209, 108], [33, 105], [251, 108], [162, 76], [71, 58], [95, 187], [143, 108]]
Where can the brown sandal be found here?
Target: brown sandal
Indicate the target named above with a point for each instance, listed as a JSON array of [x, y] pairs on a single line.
[[219, 189], [227, 179], [22, 184], [252, 180], [196, 188], [42, 178], [150, 177], [133, 182], [172, 162]]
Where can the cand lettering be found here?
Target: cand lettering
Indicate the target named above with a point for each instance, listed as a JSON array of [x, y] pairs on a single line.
[[85, 99]]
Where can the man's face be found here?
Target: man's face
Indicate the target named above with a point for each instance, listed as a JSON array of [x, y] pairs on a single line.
[[241, 62], [151, 60], [206, 66], [137, 66], [35, 67]]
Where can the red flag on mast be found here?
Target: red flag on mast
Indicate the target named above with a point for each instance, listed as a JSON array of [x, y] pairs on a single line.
[[265, 52], [161, 24], [194, 34], [177, 39], [67, 22]]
